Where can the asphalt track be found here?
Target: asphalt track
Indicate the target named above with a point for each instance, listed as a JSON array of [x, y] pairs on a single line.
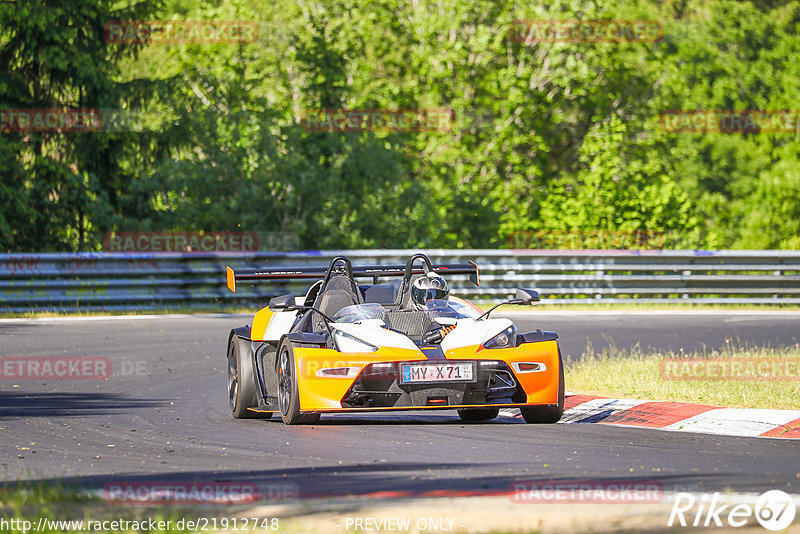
[[686, 330], [163, 415]]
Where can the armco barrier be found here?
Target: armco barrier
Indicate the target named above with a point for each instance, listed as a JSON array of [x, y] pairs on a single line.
[[92, 281]]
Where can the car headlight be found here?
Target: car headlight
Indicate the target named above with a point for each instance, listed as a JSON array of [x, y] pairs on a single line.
[[503, 340], [348, 343]]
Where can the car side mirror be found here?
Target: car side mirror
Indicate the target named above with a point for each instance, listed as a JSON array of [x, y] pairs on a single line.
[[282, 303], [527, 296], [523, 297]]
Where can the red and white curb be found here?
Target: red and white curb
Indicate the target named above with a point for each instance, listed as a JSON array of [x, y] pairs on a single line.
[[679, 416]]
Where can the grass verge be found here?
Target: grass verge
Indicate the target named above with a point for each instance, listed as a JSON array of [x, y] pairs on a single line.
[[735, 377], [57, 508]]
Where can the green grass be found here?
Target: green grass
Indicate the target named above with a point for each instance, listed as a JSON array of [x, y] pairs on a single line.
[[637, 374], [56, 501], [25, 494]]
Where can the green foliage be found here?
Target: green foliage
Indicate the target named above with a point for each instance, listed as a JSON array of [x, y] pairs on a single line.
[[547, 136], [58, 188]]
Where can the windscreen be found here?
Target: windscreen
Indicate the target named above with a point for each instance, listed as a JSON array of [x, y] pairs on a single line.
[[359, 312], [445, 308]]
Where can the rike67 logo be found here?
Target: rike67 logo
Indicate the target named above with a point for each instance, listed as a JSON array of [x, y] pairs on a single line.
[[774, 510]]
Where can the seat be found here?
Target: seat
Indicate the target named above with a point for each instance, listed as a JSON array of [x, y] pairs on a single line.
[[404, 297], [384, 294], [339, 292], [333, 300]]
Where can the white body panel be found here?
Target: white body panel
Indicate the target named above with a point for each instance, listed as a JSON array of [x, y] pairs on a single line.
[[470, 332], [280, 324], [373, 333]]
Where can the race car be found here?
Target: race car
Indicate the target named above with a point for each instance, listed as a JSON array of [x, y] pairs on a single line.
[[347, 346]]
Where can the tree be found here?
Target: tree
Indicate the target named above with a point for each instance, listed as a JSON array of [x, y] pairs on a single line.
[[61, 186]]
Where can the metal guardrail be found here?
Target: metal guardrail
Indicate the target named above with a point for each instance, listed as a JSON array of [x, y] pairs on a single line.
[[113, 281]]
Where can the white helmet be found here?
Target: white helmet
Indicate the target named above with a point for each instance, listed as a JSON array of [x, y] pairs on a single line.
[[427, 287]]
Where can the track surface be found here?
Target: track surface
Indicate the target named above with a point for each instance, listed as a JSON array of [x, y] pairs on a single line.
[[688, 330], [170, 420]]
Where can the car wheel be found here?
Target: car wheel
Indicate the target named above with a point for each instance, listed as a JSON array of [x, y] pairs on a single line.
[[473, 415], [551, 413], [242, 392], [288, 391]]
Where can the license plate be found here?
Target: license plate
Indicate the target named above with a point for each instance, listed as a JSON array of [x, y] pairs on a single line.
[[439, 372]]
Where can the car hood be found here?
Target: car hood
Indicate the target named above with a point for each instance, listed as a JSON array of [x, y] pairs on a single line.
[[467, 332]]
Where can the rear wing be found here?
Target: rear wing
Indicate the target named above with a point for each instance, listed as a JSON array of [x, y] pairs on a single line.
[[369, 271]]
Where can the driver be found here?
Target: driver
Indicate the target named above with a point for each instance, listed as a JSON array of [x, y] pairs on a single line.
[[426, 287]]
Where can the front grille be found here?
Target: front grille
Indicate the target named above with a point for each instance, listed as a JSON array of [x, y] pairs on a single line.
[[378, 387]]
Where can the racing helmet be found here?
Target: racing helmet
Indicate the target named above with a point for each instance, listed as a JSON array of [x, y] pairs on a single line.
[[427, 287]]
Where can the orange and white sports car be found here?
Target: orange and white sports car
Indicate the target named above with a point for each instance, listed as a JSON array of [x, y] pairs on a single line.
[[349, 347]]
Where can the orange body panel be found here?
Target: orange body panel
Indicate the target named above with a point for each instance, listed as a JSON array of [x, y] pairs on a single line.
[[542, 388], [260, 324], [325, 393]]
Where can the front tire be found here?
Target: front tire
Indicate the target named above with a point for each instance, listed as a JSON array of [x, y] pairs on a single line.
[[242, 392], [551, 413], [474, 415], [288, 390]]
